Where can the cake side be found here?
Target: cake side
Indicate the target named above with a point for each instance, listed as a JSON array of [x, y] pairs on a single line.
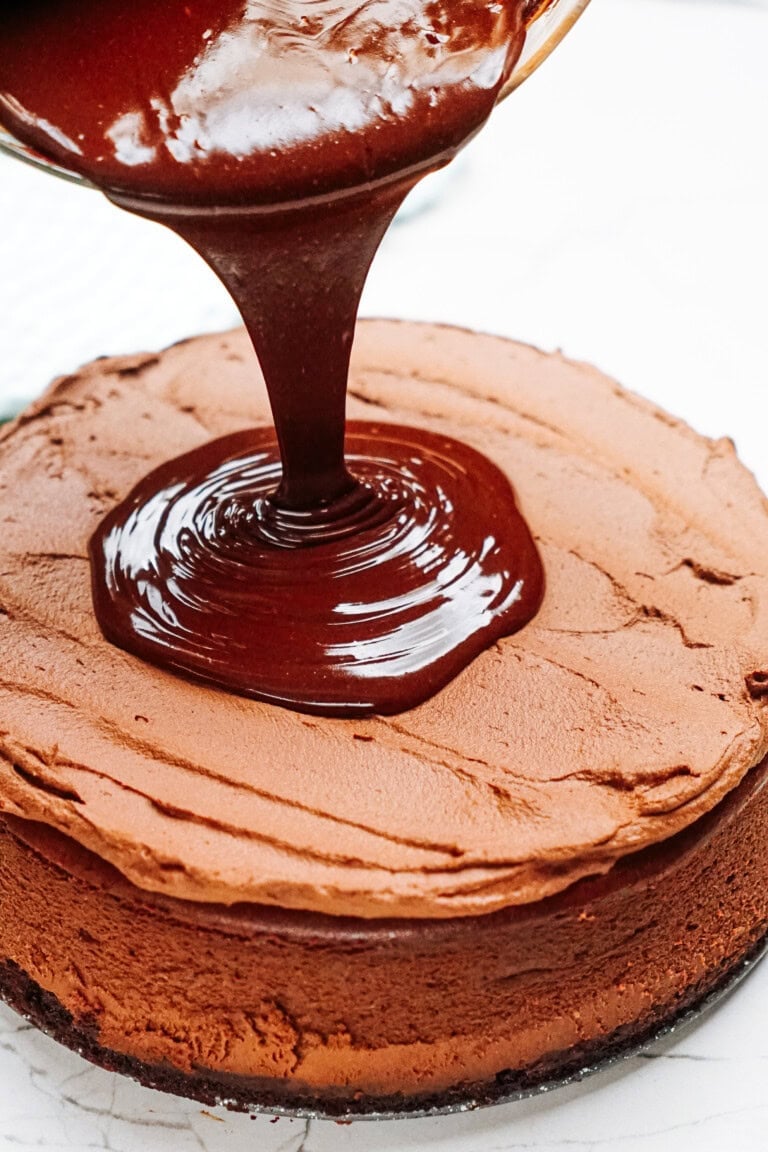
[[630, 707], [301, 1010]]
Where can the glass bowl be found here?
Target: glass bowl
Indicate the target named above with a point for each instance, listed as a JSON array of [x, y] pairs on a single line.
[[552, 21]]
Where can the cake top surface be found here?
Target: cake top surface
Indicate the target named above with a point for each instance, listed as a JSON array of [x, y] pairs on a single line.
[[630, 706]]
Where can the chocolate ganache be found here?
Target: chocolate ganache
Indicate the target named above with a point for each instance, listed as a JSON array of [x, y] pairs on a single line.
[[331, 573]]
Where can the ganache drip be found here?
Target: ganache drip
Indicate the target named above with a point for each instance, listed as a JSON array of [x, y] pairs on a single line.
[[279, 140]]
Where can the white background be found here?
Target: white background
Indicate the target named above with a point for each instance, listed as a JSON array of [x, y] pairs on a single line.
[[615, 207]]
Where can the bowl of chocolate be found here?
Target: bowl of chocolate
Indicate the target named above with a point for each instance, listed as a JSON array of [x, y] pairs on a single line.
[[381, 765]]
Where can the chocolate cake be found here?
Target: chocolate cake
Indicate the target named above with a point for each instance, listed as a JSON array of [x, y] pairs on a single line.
[[555, 856]]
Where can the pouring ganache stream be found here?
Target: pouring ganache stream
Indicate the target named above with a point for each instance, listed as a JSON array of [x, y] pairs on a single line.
[[332, 568]]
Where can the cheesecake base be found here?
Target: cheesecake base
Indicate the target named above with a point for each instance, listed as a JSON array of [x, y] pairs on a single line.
[[251, 1095], [232, 1006]]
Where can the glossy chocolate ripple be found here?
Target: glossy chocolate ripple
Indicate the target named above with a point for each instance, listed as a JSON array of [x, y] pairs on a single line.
[[371, 606]]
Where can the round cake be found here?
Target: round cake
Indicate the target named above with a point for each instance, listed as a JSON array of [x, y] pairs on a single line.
[[556, 856]]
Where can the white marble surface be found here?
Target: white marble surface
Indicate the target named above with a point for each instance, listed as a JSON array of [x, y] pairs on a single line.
[[616, 207]]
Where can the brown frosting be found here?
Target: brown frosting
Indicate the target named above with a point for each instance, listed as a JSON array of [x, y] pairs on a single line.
[[628, 708]]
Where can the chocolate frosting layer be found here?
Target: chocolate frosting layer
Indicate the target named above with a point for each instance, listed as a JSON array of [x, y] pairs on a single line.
[[630, 706]]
